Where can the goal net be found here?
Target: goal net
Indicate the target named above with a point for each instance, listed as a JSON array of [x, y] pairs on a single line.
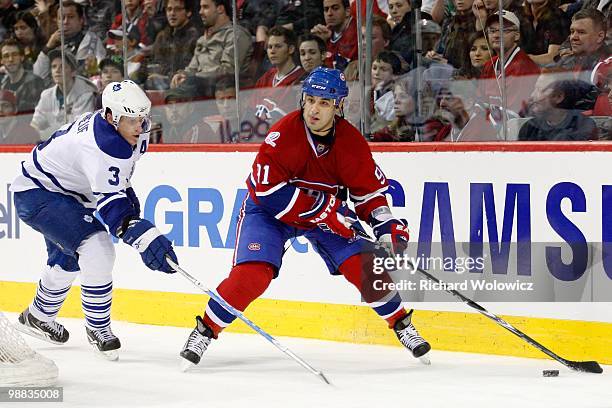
[[19, 364]]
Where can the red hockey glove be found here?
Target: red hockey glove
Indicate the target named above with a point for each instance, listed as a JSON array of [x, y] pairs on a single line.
[[393, 235], [327, 214]]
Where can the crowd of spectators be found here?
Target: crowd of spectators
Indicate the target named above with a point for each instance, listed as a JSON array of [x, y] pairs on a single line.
[[213, 81]]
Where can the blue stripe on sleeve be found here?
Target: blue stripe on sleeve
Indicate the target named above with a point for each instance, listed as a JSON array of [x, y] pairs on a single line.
[[104, 197], [115, 212], [54, 180], [279, 200], [34, 179]]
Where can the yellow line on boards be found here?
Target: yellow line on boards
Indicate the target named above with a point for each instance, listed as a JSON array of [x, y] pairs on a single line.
[[452, 331]]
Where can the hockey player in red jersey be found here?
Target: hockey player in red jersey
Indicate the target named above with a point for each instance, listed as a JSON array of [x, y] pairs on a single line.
[[297, 184]]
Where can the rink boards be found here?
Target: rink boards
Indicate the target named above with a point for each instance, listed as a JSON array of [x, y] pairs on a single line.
[[193, 194]]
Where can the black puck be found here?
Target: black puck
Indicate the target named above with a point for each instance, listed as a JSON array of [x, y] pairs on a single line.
[[550, 373]]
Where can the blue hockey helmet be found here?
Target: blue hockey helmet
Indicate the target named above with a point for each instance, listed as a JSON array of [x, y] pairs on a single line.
[[326, 83]]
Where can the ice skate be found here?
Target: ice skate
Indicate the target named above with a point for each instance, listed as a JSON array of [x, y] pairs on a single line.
[[410, 338], [104, 342], [53, 332], [196, 344]]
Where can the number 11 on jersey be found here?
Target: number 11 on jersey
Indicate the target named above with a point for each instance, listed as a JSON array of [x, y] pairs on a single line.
[[266, 172]]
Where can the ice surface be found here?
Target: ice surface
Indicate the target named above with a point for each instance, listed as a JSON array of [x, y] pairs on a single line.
[[247, 371]]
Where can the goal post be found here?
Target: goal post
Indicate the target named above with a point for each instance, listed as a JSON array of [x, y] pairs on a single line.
[[20, 366]]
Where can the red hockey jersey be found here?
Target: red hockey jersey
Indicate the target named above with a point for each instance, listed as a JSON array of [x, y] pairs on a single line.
[[291, 165], [521, 76], [270, 78], [342, 49]]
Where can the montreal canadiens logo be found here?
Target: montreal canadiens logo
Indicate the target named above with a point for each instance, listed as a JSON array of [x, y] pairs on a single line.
[[342, 76], [254, 246]]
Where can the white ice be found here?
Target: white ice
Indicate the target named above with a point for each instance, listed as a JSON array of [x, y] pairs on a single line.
[[247, 371]]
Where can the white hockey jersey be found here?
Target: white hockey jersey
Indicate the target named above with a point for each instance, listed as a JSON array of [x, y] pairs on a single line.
[[86, 159]]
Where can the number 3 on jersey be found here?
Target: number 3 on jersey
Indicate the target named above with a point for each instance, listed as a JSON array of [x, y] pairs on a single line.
[[263, 178], [114, 181]]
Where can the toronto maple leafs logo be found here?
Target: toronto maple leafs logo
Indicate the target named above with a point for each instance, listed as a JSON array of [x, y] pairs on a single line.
[[88, 218], [116, 87]]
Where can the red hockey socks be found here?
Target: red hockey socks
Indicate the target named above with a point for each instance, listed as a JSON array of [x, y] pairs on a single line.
[[245, 283], [358, 269]]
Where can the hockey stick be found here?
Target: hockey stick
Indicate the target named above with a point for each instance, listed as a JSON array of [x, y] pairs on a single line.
[[248, 322], [583, 366]]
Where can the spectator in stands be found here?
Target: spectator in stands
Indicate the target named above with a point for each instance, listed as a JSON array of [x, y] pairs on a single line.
[[605, 6], [186, 124], [214, 53], [480, 15], [84, 45], [100, 15], [554, 117], [7, 18], [174, 46], [14, 129], [111, 70], [381, 38], [406, 126], [156, 16], [521, 72], [340, 33], [602, 78], [281, 49], [135, 54], [258, 16], [547, 29], [312, 52], [279, 97], [397, 10], [475, 56], [135, 18], [515, 7], [26, 86], [45, 12], [377, 8], [385, 67], [431, 33], [455, 34], [402, 35], [606, 127], [301, 16], [462, 120], [588, 46], [29, 35], [225, 99], [72, 95]]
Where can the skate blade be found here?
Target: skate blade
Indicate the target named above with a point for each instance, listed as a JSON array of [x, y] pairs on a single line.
[[30, 331], [185, 365], [110, 355], [425, 359]]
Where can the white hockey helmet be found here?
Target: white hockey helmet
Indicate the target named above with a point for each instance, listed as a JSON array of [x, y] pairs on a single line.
[[125, 98]]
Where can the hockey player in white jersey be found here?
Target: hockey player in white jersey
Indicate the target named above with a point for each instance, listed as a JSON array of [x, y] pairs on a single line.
[[86, 166]]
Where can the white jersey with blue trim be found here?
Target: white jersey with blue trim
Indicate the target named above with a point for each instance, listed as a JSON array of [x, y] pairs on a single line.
[[86, 159]]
